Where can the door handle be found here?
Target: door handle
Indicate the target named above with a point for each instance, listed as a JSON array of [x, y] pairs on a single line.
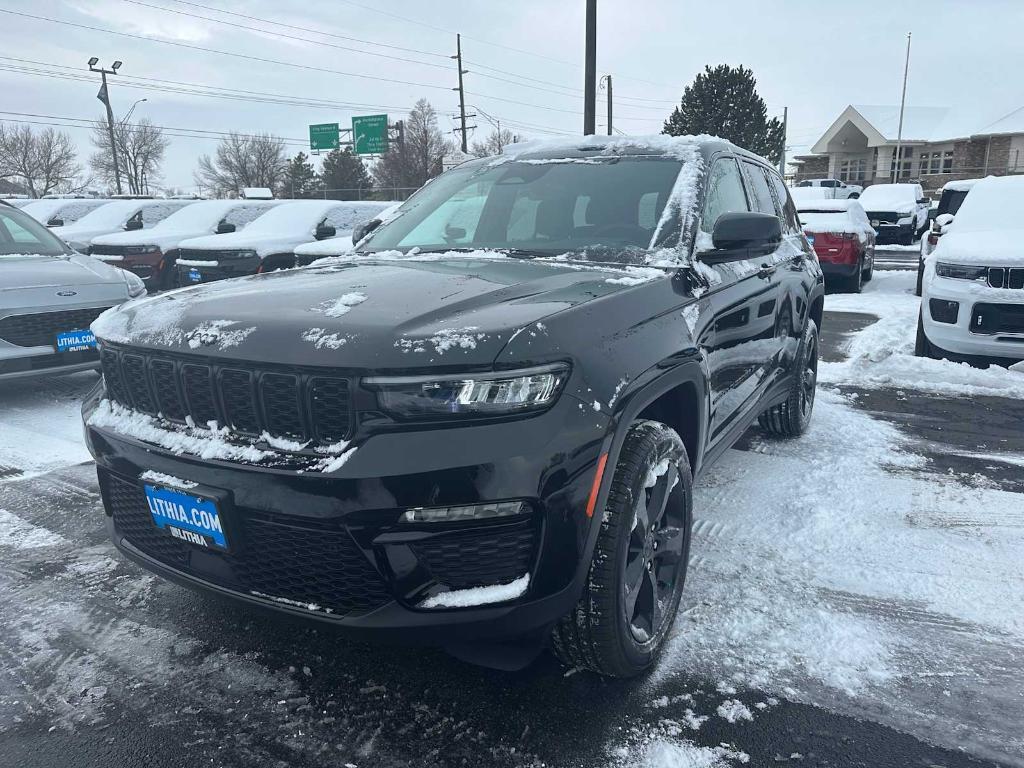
[[766, 271]]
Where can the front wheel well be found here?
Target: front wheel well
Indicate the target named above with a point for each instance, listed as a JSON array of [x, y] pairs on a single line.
[[679, 408], [817, 311]]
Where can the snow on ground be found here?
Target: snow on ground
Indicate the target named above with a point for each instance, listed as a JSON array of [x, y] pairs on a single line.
[[825, 572], [41, 423], [882, 355]]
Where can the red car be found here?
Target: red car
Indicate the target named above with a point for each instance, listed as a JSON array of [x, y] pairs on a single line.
[[843, 238]]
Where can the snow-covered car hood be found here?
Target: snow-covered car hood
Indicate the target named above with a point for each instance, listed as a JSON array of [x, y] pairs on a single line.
[[242, 241], [997, 248], [370, 314], [338, 245], [82, 235], [164, 240]]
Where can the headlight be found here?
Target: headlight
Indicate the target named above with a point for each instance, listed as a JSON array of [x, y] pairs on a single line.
[[239, 255], [961, 271], [486, 394], [133, 249], [136, 287]]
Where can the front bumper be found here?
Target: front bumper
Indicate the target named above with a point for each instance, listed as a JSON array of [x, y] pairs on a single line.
[[218, 269], [332, 547], [893, 233], [967, 337]]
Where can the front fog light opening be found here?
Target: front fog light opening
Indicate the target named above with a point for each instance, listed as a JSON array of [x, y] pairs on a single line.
[[943, 311], [486, 511]]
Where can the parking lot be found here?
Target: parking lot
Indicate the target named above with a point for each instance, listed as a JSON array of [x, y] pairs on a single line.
[[854, 598]]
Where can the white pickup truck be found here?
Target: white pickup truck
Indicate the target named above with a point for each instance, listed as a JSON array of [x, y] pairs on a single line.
[[833, 189]]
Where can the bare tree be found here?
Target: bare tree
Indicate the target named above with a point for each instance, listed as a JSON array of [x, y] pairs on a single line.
[[140, 153], [495, 143], [419, 159], [44, 161], [243, 161]]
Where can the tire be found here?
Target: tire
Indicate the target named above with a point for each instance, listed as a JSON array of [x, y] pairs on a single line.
[[870, 271], [791, 417], [920, 277], [855, 283], [923, 347], [598, 634]]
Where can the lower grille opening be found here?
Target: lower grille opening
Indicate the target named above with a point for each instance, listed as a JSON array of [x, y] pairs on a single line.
[[479, 558]]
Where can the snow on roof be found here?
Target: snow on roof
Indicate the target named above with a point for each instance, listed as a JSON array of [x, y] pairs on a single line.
[[257, 193], [995, 203], [961, 185], [826, 204], [676, 146]]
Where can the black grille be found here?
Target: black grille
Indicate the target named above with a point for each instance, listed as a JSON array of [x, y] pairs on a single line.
[[307, 565], [883, 217], [249, 400], [41, 328], [997, 318], [109, 250], [1006, 277], [491, 555]]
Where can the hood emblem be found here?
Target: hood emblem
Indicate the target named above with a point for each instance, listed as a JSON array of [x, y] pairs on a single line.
[[67, 293]]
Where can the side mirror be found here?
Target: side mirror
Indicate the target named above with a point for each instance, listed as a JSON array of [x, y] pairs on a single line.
[[743, 235], [324, 231], [225, 229], [364, 228], [56, 221], [133, 225], [925, 201], [943, 219]]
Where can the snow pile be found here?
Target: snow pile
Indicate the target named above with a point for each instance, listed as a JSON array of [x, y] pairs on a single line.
[[217, 333], [733, 710], [637, 276], [465, 598], [882, 355], [341, 306], [680, 753], [20, 534]]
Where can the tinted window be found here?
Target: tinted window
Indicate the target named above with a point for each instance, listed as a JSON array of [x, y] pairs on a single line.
[[23, 234], [762, 199], [724, 193], [830, 183], [790, 221]]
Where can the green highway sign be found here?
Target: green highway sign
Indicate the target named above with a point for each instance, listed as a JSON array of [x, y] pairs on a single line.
[[323, 136], [370, 134]]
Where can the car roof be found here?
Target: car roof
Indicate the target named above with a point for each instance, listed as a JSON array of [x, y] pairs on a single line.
[[621, 146]]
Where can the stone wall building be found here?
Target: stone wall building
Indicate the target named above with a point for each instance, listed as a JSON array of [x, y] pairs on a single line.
[[939, 144]]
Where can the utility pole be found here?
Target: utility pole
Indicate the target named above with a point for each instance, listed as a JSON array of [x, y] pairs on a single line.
[[785, 126], [903, 102], [590, 72], [104, 96], [462, 92]]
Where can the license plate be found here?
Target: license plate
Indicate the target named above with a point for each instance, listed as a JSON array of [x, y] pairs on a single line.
[[195, 275], [186, 517], [75, 341]]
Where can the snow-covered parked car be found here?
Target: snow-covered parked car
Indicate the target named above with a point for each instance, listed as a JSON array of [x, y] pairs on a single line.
[[48, 297], [365, 216], [898, 212], [843, 238], [951, 197], [117, 216], [834, 189], [59, 212], [268, 244], [972, 297], [152, 253]]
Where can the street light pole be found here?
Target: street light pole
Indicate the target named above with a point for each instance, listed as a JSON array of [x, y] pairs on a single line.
[[590, 72], [104, 96], [125, 119], [903, 102]]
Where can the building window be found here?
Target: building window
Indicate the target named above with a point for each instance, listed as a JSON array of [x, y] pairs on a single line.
[[906, 162], [936, 162], [947, 161], [853, 170]]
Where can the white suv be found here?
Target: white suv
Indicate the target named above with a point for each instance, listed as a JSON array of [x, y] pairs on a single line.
[[972, 297], [834, 189]]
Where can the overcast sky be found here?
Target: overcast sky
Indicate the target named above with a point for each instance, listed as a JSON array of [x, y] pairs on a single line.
[[814, 56]]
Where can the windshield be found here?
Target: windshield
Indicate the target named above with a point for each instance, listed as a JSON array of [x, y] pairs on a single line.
[[109, 215], [20, 234], [538, 207], [197, 216], [993, 204]]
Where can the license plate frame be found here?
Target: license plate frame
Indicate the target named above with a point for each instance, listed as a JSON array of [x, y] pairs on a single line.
[[193, 516], [74, 341]]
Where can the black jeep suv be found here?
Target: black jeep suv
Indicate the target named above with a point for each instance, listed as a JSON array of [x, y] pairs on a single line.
[[481, 428]]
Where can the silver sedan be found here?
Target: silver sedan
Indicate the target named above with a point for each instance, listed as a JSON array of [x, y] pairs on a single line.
[[49, 295]]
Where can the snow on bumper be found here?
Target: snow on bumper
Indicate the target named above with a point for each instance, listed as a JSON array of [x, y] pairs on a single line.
[[971, 333]]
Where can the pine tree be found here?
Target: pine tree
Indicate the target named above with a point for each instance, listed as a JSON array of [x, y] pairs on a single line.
[[344, 173], [299, 178], [723, 102]]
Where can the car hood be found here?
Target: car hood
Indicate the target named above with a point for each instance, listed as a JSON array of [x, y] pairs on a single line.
[[995, 248], [368, 314], [243, 241], [73, 234], [338, 245], [163, 240], [56, 271], [889, 207]]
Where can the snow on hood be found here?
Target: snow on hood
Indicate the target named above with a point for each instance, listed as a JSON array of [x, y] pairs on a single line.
[[279, 229], [338, 245], [997, 248], [989, 227], [26, 271], [898, 198]]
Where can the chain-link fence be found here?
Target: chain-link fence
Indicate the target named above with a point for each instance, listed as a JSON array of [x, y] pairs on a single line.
[[354, 193]]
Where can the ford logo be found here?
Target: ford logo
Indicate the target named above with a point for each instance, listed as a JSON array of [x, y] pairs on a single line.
[[67, 293]]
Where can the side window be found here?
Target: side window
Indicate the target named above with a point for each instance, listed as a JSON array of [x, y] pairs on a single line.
[[648, 212], [761, 193], [790, 221], [724, 193], [19, 234], [830, 183]]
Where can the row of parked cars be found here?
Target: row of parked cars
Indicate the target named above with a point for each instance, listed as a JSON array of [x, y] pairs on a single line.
[[171, 243]]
